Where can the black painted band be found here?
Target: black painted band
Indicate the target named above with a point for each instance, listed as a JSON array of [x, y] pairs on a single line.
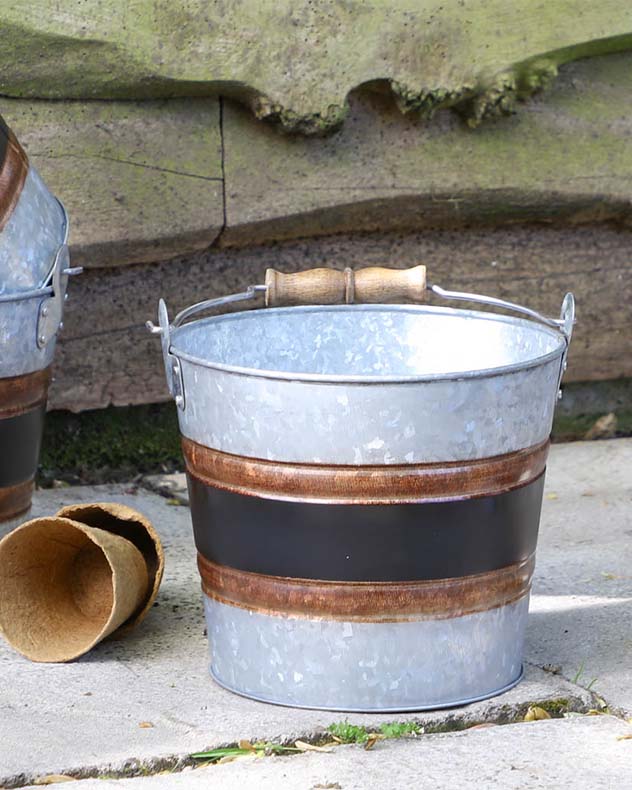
[[432, 540], [20, 440]]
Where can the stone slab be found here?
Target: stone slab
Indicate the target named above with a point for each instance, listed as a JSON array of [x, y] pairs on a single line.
[[581, 608], [106, 356], [297, 62], [140, 181], [565, 157], [85, 717], [582, 753]]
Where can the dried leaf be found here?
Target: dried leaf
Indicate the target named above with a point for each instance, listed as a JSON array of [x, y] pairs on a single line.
[[373, 738], [482, 726], [227, 758], [604, 428], [627, 737], [246, 745], [551, 495], [535, 713], [51, 779], [310, 747], [146, 725], [174, 502], [337, 739]]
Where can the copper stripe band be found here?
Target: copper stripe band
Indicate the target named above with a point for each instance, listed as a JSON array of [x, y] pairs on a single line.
[[15, 500], [13, 172], [21, 393], [354, 485], [366, 601]]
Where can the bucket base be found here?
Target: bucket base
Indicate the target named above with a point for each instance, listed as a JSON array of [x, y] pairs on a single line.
[[366, 667], [415, 708]]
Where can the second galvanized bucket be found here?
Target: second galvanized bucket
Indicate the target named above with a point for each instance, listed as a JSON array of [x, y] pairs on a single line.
[[34, 270], [365, 485]]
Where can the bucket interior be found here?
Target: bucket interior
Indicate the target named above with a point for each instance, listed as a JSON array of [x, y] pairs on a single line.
[[366, 341]]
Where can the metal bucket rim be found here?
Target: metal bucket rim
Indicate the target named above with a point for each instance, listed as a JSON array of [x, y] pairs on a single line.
[[330, 378]]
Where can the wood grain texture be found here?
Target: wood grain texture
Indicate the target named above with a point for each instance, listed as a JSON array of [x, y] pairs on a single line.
[[105, 354], [366, 601], [374, 284], [145, 181], [296, 61], [140, 181], [564, 158], [361, 485]]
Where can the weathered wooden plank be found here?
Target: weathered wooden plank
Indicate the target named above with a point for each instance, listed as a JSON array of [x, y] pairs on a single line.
[[106, 355], [297, 61], [140, 181], [566, 158]]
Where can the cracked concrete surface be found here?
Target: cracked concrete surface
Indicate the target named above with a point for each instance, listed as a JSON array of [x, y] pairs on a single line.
[[569, 754], [84, 718]]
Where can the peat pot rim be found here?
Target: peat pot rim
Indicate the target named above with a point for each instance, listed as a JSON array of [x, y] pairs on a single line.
[[332, 378]]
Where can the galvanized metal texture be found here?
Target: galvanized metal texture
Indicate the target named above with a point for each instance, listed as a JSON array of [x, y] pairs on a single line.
[[370, 667], [30, 320], [31, 237], [421, 384], [403, 542], [366, 601], [335, 484], [365, 486], [18, 330]]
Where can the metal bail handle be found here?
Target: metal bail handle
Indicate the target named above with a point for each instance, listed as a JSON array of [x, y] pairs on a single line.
[[52, 307], [173, 369], [49, 318], [372, 285], [381, 285]]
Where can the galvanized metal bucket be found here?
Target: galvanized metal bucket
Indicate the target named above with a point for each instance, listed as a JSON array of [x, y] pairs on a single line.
[[365, 485], [34, 270]]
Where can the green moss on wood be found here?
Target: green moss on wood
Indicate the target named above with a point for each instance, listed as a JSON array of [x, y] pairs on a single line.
[[296, 62], [110, 445]]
